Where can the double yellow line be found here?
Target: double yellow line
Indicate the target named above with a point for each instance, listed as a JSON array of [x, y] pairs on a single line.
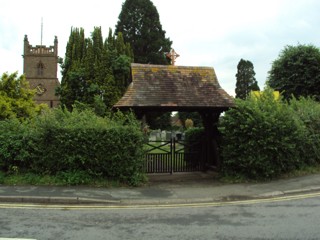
[[160, 206]]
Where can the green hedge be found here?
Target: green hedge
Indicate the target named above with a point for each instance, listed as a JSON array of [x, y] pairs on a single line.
[[264, 137], [60, 141], [13, 136], [194, 135], [194, 138], [308, 111]]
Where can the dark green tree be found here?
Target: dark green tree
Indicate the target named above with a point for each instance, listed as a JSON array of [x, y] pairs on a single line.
[[140, 24], [296, 72], [194, 116], [95, 69], [72, 83], [246, 81], [159, 120]]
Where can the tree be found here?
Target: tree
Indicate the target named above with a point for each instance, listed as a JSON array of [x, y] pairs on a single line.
[[94, 69], [246, 81], [16, 98], [188, 123], [159, 120], [296, 72], [140, 24], [194, 116], [72, 83]]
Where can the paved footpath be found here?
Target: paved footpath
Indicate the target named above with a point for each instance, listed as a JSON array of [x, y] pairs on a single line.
[[161, 189]]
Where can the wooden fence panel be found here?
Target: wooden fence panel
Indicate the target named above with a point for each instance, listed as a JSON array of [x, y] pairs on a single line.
[[172, 156]]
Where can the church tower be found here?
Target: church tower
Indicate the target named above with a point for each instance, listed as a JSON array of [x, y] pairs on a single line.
[[40, 66]]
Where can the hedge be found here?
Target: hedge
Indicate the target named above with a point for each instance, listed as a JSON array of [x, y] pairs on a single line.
[[59, 141], [264, 137]]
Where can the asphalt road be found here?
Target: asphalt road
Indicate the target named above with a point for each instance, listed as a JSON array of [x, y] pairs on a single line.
[[276, 219]]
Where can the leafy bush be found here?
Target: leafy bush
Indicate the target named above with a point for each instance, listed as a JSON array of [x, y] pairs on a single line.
[[60, 141], [74, 177], [194, 134], [194, 145], [2, 176], [16, 98], [308, 111], [262, 138], [12, 143]]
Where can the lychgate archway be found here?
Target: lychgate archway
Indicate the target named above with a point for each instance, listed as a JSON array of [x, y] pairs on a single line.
[[170, 88]]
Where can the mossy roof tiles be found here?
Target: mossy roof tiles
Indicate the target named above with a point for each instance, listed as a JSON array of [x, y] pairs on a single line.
[[174, 87]]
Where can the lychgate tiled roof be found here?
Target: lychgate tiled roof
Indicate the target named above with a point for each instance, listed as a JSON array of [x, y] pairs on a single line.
[[174, 87]]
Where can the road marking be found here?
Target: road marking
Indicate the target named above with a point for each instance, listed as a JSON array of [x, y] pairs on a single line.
[[164, 206], [17, 239]]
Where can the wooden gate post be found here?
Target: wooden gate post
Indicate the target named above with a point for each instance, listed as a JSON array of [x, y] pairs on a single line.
[[173, 151], [210, 121]]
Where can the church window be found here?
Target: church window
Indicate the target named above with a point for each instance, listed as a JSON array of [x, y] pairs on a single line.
[[40, 68]]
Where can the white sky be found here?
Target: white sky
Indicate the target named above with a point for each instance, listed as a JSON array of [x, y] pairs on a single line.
[[204, 32]]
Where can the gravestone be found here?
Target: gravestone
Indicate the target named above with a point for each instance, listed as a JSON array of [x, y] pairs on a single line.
[[158, 135], [168, 136], [153, 136], [163, 135]]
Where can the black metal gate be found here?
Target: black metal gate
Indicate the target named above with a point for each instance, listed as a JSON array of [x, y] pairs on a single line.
[[174, 156]]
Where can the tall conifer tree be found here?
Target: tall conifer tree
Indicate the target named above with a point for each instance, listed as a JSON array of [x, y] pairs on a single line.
[[94, 70], [140, 24], [246, 81]]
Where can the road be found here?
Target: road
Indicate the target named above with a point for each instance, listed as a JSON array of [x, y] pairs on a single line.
[[275, 219]]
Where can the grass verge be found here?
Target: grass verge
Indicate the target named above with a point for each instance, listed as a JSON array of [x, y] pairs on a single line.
[[303, 171], [63, 179]]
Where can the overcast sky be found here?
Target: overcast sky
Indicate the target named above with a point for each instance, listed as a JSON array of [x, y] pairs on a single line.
[[204, 32]]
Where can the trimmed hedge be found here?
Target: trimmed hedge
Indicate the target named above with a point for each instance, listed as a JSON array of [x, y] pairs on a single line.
[[194, 135], [193, 145], [263, 138], [60, 141], [308, 111]]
